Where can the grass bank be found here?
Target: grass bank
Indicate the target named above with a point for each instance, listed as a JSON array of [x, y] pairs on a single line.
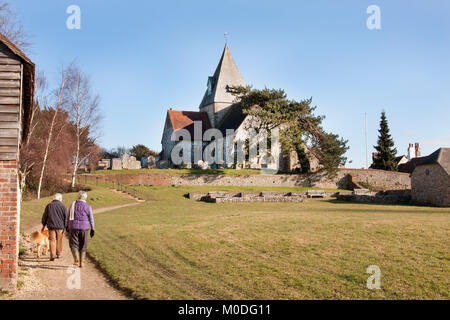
[[98, 197], [175, 248]]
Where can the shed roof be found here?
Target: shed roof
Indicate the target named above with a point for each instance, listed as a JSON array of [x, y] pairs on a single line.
[[28, 85]]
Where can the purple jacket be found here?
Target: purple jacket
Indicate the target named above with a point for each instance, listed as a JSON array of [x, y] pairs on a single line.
[[83, 218]]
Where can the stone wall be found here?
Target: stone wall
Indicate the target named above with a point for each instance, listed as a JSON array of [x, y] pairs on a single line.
[[378, 178], [430, 185], [387, 197], [166, 141], [9, 224], [128, 179]]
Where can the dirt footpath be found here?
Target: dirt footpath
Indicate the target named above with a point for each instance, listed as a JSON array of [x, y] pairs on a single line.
[[58, 280]]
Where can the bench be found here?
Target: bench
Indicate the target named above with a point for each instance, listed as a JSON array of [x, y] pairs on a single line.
[[315, 194]]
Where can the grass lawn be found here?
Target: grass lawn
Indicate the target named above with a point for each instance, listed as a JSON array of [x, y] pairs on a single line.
[[175, 248], [180, 171], [31, 211]]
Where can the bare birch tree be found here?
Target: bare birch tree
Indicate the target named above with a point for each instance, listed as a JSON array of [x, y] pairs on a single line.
[[60, 100], [27, 160], [85, 115]]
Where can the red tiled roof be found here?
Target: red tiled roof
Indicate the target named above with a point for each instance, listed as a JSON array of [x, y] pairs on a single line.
[[185, 120]]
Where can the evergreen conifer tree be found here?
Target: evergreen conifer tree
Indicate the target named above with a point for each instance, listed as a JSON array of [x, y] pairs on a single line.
[[385, 157]]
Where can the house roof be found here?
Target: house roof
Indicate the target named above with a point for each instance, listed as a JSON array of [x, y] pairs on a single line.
[[409, 166], [440, 156], [185, 120], [226, 74], [28, 85], [397, 159]]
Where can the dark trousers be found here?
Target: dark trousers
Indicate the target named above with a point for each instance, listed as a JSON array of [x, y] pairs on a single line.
[[78, 240]]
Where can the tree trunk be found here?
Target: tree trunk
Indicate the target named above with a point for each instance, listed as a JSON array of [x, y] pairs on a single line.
[[47, 147], [50, 134], [77, 155], [75, 166]]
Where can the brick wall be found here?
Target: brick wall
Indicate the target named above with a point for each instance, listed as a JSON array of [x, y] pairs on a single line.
[[9, 224]]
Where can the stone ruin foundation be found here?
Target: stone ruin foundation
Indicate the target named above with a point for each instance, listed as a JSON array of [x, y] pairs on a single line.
[[265, 196]]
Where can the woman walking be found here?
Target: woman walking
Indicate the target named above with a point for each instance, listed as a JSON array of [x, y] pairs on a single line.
[[81, 220]]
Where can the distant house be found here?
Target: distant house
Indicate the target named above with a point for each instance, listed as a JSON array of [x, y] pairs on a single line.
[[401, 160], [430, 180], [17, 81]]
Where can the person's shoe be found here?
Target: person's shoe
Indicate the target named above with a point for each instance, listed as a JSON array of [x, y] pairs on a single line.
[[57, 257], [82, 259], [52, 259], [76, 257]]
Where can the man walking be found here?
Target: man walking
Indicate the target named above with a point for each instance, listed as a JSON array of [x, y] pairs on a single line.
[[55, 218], [81, 220]]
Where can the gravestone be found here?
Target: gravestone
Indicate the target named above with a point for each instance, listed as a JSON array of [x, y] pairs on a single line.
[[116, 164], [151, 162], [104, 164], [163, 164], [130, 162]]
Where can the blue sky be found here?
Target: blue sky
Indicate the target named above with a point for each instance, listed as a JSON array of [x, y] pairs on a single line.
[[147, 56]]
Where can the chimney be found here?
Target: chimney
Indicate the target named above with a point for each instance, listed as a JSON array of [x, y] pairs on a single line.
[[417, 149], [411, 152]]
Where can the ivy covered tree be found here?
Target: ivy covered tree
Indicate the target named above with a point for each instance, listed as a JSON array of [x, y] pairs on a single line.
[[299, 127], [385, 156]]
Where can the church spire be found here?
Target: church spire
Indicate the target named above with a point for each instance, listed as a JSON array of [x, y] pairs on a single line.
[[226, 75]]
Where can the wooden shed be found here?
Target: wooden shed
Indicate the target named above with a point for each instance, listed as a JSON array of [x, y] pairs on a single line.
[[17, 82]]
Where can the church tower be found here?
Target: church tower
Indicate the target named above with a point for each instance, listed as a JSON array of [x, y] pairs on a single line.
[[218, 98]]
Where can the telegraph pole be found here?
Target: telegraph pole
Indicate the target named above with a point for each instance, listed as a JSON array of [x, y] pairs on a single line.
[[365, 133]]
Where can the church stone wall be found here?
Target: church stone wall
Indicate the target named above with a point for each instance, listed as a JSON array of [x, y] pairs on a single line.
[[220, 110], [167, 143], [209, 109]]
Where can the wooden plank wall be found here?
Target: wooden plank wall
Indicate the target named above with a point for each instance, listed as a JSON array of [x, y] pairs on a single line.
[[10, 88]]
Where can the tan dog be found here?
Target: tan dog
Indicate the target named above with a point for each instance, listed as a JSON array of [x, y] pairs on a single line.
[[40, 239]]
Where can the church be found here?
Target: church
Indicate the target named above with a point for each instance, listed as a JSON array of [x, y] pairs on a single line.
[[218, 110]]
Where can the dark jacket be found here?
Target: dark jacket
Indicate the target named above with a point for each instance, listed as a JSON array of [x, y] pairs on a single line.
[[55, 216]]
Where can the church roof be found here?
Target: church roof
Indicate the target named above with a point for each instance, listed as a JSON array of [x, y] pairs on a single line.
[[185, 120], [232, 119], [226, 74]]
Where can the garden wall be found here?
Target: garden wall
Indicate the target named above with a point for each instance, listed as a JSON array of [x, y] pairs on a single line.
[[378, 178]]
